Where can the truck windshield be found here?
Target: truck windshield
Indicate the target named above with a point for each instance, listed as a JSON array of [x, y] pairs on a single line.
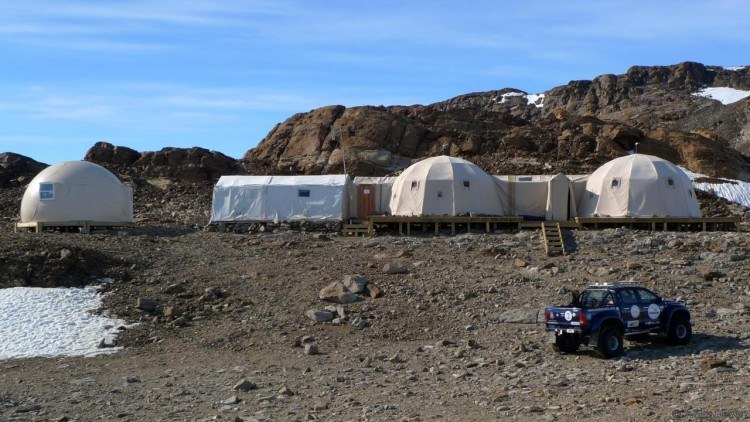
[[596, 299]]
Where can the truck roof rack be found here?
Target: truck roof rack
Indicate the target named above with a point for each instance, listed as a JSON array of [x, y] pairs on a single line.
[[622, 283]]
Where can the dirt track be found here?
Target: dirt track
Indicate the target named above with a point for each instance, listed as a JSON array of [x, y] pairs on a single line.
[[434, 346]]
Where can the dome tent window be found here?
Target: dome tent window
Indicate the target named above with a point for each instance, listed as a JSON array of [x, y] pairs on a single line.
[[467, 184], [615, 183], [303, 193], [670, 182], [439, 194], [46, 191], [414, 185]]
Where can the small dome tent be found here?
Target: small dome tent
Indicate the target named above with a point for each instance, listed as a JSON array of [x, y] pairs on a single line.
[[639, 185], [446, 186], [77, 191]]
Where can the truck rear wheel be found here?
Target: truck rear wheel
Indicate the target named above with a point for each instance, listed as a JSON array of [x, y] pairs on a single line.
[[566, 343], [680, 331], [610, 342]]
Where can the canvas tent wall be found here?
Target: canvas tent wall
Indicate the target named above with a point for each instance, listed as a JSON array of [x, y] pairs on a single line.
[[77, 191], [370, 195], [446, 186], [639, 185], [280, 198], [542, 197]]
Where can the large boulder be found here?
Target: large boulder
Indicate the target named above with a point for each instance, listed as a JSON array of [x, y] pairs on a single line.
[[17, 170]]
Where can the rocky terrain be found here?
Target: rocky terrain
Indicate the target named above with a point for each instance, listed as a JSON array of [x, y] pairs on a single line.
[[452, 332]]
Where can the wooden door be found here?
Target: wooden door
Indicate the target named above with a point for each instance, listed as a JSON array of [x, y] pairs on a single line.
[[366, 201]]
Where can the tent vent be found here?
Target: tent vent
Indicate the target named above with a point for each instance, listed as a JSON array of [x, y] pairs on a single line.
[[303, 193], [467, 184], [440, 194]]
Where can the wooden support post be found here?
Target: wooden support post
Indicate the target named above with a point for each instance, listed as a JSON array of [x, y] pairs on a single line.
[[437, 232], [453, 229], [487, 225], [400, 228], [408, 228]]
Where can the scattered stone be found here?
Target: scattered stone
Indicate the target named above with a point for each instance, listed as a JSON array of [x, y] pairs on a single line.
[[174, 289], [320, 406], [355, 283], [337, 293], [359, 323], [311, 349], [319, 316], [712, 362], [709, 274], [105, 344], [245, 385], [394, 268], [521, 263], [147, 305], [29, 407], [285, 391], [631, 401], [231, 400], [374, 291]]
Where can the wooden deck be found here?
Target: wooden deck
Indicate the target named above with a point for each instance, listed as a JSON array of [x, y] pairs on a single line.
[[487, 223], [664, 223], [84, 226], [426, 224]]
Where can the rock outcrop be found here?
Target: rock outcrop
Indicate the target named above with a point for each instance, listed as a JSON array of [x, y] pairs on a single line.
[[192, 165], [17, 170], [578, 127]]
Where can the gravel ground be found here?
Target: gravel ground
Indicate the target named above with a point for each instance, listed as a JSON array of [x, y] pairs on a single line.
[[231, 308]]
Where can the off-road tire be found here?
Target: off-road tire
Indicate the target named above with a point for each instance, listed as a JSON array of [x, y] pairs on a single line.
[[680, 331], [610, 342], [566, 343]]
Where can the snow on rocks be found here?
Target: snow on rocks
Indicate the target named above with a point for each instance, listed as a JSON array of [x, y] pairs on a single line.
[[723, 95], [43, 322]]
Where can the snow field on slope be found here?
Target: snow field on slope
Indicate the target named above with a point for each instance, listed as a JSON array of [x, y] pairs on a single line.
[[47, 322], [723, 94]]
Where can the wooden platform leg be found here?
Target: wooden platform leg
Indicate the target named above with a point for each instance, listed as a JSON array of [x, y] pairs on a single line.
[[437, 232], [408, 229], [38, 227], [453, 229], [400, 228], [468, 227], [487, 225]]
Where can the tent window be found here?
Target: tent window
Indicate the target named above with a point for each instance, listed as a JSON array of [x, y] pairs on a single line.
[[46, 191], [615, 183], [524, 179], [303, 193], [414, 185], [670, 182], [440, 194], [467, 184]]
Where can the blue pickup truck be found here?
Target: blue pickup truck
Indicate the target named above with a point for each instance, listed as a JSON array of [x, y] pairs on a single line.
[[604, 314]]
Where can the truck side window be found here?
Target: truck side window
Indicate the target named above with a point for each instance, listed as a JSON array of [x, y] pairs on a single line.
[[628, 297], [647, 297]]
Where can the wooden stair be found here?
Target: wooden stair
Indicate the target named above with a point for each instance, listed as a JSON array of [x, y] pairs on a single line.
[[553, 240], [356, 229]]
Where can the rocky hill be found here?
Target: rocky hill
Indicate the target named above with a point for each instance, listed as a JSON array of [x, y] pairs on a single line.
[[571, 128]]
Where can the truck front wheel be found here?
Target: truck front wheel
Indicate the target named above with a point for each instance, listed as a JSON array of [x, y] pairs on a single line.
[[566, 343], [610, 342], [680, 331]]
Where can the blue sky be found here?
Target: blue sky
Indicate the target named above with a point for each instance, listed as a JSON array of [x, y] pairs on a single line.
[[221, 74]]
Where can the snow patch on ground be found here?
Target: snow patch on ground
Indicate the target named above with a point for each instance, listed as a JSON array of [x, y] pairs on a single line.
[[723, 94], [734, 190], [536, 100], [44, 322]]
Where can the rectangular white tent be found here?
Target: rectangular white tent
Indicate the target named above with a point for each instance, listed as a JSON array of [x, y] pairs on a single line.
[[280, 198], [543, 197]]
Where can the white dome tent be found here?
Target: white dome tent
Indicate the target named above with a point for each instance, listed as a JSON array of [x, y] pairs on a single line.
[[76, 193], [639, 185], [446, 186]]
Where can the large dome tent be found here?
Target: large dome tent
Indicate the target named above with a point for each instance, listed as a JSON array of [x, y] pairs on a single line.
[[77, 192], [446, 186], [639, 185]]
